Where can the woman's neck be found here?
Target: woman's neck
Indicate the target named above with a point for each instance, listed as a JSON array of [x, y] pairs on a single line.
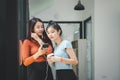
[[58, 41]]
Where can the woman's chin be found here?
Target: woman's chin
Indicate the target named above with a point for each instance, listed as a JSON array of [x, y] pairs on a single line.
[[39, 34], [52, 39]]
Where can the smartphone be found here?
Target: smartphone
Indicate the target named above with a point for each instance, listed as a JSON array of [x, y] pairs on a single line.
[[45, 45]]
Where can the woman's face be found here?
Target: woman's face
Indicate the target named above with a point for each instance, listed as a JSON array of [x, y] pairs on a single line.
[[52, 33], [38, 28]]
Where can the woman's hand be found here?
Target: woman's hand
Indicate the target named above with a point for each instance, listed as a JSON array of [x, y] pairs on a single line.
[[36, 37], [49, 59], [54, 58], [41, 51]]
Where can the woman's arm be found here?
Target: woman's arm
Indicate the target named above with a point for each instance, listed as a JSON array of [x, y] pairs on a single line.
[[26, 53], [72, 60], [27, 59], [41, 51]]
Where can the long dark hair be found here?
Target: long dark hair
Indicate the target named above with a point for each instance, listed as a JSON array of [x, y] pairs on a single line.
[[31, 26]]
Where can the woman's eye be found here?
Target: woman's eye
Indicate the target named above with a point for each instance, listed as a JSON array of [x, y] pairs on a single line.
[[40, 26], [52, 32]]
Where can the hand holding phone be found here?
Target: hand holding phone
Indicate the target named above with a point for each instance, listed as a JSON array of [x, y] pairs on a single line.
[[50, 55], [45, 45]]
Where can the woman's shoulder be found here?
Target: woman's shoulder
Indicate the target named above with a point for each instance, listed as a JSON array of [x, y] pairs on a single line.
[[67, 44], [26, 41], [66, 41]]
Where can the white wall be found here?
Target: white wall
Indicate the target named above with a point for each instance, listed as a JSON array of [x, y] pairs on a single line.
[[107, 40], [60, 10]]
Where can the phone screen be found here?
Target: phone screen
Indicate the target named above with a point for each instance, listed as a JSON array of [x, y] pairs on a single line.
[[45, 45]]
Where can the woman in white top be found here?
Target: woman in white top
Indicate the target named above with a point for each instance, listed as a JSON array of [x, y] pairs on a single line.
[[63, 57]]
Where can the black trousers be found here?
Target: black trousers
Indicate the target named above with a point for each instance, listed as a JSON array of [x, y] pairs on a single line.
[[39, 71], [65, 74], [22, 72]]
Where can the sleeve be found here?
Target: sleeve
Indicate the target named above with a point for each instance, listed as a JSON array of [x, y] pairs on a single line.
[[50, 50], [20, 52], [27, 59], [67, 44]]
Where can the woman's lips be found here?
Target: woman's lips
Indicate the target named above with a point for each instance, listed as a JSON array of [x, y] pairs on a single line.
[[51, 38]]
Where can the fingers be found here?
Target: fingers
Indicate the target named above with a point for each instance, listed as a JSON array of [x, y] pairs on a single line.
[[42, 50], [41, 47], [51, 58], [35, 36], [50, 55]]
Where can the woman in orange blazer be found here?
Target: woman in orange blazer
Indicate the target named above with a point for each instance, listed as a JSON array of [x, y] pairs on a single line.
[[34, 55]]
